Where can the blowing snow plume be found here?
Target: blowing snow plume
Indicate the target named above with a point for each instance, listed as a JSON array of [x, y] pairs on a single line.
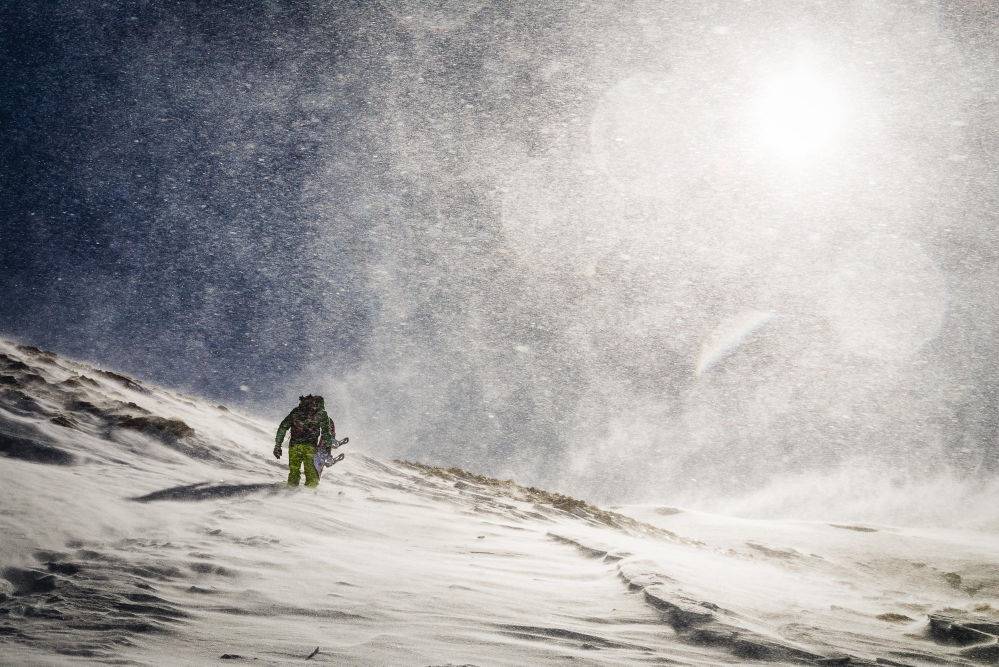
[[521, 237], [141, 523], [736, 258]]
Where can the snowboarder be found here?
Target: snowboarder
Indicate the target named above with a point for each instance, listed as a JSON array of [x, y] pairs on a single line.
[[310, 427]]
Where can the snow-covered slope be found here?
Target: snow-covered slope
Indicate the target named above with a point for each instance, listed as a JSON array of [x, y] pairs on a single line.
[[145, 526]]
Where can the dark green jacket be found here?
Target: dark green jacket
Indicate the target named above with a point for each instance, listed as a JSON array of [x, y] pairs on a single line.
[[307, 425]]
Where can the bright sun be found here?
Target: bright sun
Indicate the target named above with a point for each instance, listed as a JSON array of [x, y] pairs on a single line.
[[798, 115]]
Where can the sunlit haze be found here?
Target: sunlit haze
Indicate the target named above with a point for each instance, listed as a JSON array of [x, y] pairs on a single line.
[[799, 115], [735, 256]]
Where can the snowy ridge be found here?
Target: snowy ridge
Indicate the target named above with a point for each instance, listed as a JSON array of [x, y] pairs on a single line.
[[863, 601], [697, 621], [139, 522]]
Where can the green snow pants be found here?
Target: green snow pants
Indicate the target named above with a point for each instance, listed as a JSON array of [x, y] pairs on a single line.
[[298, 456]]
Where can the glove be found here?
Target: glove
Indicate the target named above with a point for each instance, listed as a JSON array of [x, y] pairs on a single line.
[[277, 451]]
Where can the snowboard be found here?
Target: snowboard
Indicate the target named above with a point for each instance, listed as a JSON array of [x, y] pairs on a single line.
[[324, 456]]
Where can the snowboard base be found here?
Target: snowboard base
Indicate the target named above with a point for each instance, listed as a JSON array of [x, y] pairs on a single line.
[[324, 457]]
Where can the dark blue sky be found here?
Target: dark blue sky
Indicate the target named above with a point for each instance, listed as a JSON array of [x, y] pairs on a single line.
[[153, 213]]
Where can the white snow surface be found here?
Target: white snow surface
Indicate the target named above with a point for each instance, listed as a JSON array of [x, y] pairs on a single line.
[[143, 526]]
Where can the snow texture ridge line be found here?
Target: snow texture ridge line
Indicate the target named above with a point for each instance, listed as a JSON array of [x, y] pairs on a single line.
[[704, 623]]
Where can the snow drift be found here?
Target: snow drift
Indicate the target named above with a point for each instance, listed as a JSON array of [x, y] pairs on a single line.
[[141, 525]]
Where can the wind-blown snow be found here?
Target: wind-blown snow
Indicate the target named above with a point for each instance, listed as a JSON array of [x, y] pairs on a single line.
[[503, 235], [146, 526]]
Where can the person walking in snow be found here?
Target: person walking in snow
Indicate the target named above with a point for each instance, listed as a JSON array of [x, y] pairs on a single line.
[[310, 427]]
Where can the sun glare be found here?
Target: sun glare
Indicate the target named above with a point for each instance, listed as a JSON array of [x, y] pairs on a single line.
[[798, 115]]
